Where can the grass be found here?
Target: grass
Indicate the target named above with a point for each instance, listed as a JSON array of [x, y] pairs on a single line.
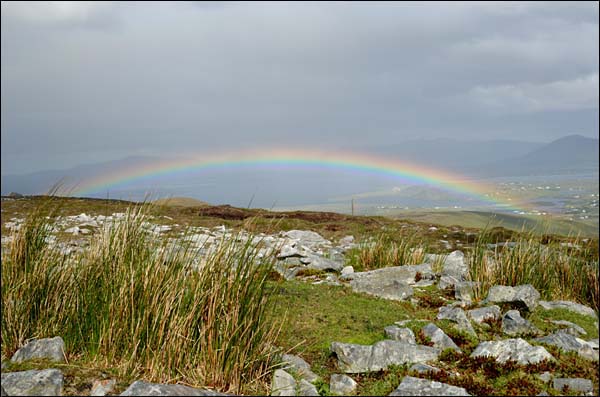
[[542, 319], [384, 251], [555, 269], [141, 306], [317, 315], [159, 320]]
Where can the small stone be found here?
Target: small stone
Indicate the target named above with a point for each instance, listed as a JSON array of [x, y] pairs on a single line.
[[484, 313], [48, 348], [102, 387], [347, 270], [568, 342], [513, 324], [458, 316], [512, 349], [342, 385], [305, 388], [360, 358], [284, 384], [47, 382], [463, 291], [572, 328], [545, 377], [411, 386], [400, 334], [141, 388], [524, 295], [574, 384], [301, 367], [439, 338]]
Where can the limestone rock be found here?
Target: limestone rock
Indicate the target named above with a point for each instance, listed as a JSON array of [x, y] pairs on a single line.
[[424, 387], [463, 291], [283, 384], [513, 324], [48, 382], [568, 342], [571, 328], [360, 358], [523, 295], [439, 338], [342, 385], [318, 262], [305, 388], [512, 349], [484, 313], [307, 238], [102, 387], [301, 367], [456, 266], [141, 388], [457, 315], [574, 384], [347, 270], [400, 334], [386, 289], [571, 306], [48, 348]]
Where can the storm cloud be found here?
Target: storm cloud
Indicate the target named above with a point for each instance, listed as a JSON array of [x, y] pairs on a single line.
[[86, 82]]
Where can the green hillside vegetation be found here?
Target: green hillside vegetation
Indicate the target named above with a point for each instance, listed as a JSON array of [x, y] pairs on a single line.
[[222, 323], [180, 202], [481, 219]]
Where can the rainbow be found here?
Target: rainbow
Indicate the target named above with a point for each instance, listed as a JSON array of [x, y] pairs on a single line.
[[353, 161]]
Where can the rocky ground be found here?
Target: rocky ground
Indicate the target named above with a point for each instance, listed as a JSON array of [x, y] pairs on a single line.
[[456, 343]]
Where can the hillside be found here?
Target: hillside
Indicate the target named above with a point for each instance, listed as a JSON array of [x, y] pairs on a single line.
[[386, 302], [570, 154]]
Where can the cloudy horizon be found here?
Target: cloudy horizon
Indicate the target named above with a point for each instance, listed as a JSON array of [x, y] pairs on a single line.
[[90, 82]]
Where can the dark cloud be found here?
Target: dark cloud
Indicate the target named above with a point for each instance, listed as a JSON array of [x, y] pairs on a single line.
[[91, 82]]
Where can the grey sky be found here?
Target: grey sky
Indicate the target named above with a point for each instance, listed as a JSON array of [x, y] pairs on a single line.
[[86, 82]]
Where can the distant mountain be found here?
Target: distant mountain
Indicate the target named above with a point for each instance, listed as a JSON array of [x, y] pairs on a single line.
[[570, 154], [453, 154], [40, 182]]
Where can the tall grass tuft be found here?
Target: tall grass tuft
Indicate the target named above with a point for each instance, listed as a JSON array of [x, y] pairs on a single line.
[[385, 252], [147, 307], [557, 270]]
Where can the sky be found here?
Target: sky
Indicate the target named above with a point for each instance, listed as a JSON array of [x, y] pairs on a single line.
[[91, 82]]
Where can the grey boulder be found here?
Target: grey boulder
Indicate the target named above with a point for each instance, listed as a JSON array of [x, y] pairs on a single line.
[[439, 338], [574, 384], [424, 387], [567, 342], [52, 349], [141, 388], [301, 367], [485, 313], [512, 349], [47, 382], [360, 358], [305, 388], [522, 295], [400, 334], [341, 385], [513, 324], [457, 315], [283, 384]]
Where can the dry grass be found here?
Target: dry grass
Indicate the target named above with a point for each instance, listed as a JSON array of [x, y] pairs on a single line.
[[145, 307], [557, 271]]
